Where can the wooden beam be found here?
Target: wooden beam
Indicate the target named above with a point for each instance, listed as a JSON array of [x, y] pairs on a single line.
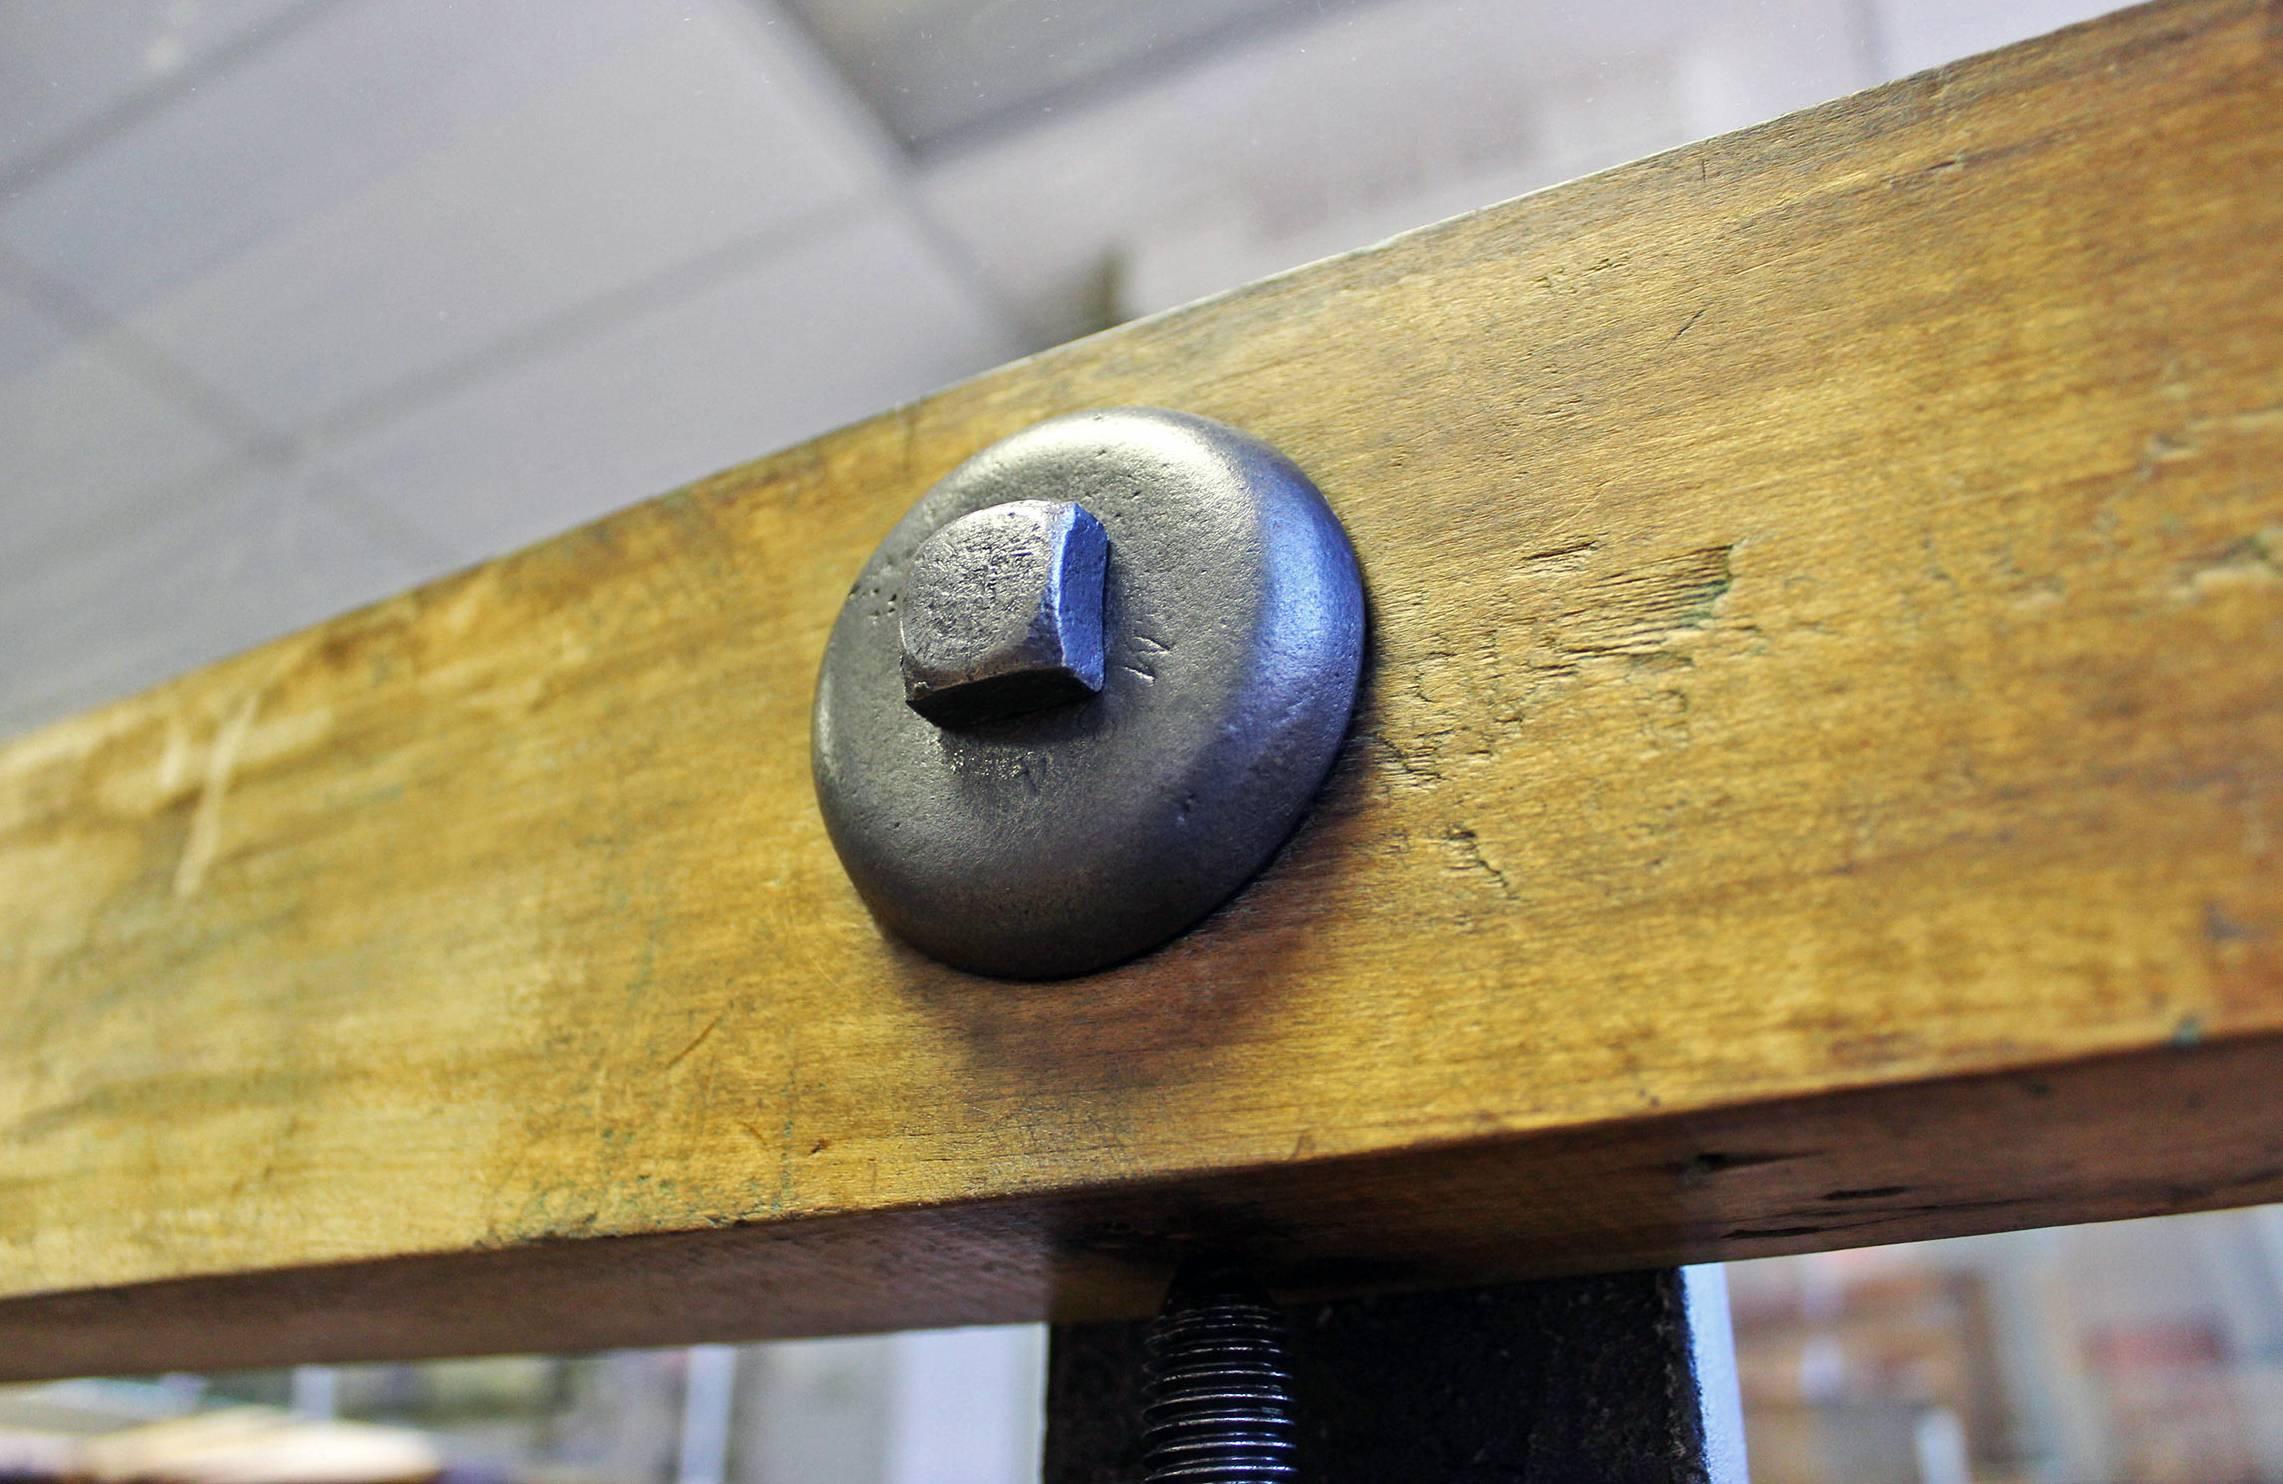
[[1820, 781]]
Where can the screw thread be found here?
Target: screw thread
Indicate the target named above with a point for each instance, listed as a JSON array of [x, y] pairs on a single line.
[[1220, 1388]]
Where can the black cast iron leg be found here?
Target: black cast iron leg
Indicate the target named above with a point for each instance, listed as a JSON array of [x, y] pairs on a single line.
[[1603, 1380]]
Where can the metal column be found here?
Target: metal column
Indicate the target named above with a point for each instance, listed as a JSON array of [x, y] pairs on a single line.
[[1627, 1379]]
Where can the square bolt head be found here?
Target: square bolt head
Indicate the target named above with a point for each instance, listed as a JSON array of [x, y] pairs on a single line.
[[1002, 613]]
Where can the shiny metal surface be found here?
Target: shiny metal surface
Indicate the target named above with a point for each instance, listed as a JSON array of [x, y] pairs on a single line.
[[1002, 613], [1220, 1389], [1062, 840]]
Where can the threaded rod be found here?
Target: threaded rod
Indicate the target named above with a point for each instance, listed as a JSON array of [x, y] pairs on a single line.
[[1220, 1388]]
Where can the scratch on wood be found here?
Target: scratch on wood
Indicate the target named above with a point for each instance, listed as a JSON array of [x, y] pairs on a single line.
[[2257, 558], [699, 1040], [205, 838], [1466, 852], [1462, 703], [2193, 438], [1570, 554], [783, 1194], [1639, 612]]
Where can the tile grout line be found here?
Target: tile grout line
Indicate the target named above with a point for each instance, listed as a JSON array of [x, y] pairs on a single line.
[[574, 323], [104, 528], [318, 487], [258, 442], [325, 488], [156, 97], [159, 373], [1872, 47], [897, 172], [249, 440]]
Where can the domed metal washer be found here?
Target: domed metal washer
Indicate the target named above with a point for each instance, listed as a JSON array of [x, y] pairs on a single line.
[[1085, 689]]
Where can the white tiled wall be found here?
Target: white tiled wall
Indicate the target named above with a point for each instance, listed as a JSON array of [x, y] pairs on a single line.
[[84, 435], [1919, 34], [201, 567], [70, 65], [684, 139], [302, 303], [356, 94], [759, 352], [1363, 120]]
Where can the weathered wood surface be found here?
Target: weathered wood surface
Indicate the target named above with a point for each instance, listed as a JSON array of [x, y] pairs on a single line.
[[1819, 782]]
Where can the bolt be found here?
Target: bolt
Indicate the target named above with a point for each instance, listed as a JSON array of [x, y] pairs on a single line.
[[1220, 1390], [1002, 613]]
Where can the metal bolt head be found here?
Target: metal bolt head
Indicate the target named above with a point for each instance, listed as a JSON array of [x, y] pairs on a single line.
[[1064, 841], [1002, 613]]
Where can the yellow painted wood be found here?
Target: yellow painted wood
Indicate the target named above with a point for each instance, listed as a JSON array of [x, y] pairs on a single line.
[[1819, 781]]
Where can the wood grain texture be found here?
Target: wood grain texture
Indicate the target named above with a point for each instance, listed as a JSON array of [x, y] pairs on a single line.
[[1819, 782]]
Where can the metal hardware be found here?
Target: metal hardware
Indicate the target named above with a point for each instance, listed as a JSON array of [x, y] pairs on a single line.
[[1627, 1378], [1219, 1388], [1002, 613], [1029, 824]]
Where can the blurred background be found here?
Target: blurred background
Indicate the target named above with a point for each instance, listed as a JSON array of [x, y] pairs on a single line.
[[306, 301], [2145, 1352]]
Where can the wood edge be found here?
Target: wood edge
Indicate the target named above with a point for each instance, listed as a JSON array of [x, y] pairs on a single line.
[[2181, 1128]]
